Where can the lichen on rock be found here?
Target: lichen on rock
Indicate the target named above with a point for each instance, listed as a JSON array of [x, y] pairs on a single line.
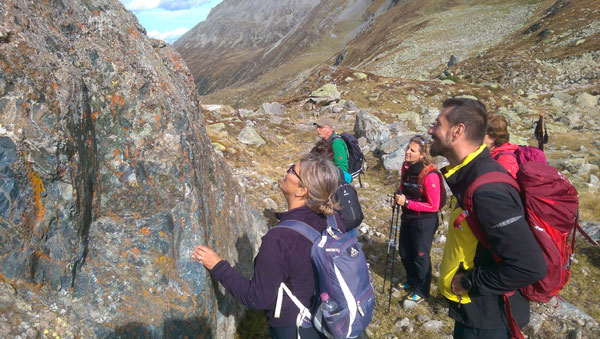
[[109, 179]]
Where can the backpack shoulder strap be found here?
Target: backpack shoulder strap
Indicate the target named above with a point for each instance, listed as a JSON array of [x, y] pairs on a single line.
[[331, 222], [304, 314], [424, 172], [467, 203], [499, 154], [304, 229], [586, 236]]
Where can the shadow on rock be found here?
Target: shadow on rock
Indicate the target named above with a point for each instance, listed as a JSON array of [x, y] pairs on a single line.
[[593, 255], [245, 266], [188, 328], [172, 328], [131, 330], [269, 214]]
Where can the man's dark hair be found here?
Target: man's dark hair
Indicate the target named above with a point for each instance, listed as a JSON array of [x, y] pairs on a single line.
[[324, 148], [469, 112]]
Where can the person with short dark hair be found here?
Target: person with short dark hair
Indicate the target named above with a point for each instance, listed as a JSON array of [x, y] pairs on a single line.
[[496, 140], [326, 131], [470, 278], [284, 254]]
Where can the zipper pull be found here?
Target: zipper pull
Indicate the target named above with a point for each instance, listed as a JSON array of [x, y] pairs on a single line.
[[360, 308]]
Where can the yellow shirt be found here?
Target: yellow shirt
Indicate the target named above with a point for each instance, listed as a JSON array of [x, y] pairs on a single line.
[[461, 243]]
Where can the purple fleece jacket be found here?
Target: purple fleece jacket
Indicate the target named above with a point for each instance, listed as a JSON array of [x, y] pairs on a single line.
[[284, 255]]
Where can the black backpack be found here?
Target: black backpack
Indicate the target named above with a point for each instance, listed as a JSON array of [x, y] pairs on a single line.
[[355, 156], [347, 197]]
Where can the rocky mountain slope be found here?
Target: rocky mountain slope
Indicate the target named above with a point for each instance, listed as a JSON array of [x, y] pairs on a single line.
[[415, 39], [108, 182], [271, 38], [520, 58], [236, 34]]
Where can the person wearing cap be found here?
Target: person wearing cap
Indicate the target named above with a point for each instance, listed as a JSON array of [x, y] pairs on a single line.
[[325, 130]]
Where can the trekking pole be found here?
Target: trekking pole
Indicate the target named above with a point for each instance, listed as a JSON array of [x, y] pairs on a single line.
[[393, 258], [388, 249]]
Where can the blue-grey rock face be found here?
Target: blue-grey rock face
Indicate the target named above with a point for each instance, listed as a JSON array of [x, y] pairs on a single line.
[[108, 180]]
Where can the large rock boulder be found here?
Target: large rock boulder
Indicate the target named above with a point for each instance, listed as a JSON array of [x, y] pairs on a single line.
[[273, 108], [325, 95], [369, 126], [250, 136], [394, 160], [108, 181], [586, 100]]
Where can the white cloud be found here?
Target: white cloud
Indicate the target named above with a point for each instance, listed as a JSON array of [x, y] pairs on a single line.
[[169, 37], [169, 5], [173, 5], [141, 5]]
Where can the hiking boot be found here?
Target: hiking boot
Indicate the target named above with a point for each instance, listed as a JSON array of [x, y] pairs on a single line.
[[414, 297], [405, 285]]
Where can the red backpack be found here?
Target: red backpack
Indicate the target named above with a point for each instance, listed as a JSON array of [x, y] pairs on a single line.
[[551, 208], [524, 154]]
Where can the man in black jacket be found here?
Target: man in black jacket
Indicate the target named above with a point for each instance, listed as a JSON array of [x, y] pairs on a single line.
[[470, 279]]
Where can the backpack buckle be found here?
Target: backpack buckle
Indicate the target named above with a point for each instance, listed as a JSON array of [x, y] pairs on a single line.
[[332, 234], [462, 216]]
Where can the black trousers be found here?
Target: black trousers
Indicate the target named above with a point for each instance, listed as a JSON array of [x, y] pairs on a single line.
[[416, 235], [462, 331]]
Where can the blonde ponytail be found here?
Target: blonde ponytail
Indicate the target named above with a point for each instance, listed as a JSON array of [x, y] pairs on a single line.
[[320, 177]]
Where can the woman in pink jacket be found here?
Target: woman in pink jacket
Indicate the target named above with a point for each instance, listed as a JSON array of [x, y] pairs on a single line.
[[496, 140], [420, 197]]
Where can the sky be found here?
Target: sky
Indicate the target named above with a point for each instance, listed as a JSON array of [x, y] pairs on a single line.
[[169, 19]]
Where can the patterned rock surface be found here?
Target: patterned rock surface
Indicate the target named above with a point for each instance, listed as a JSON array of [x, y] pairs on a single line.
[[108, 181]]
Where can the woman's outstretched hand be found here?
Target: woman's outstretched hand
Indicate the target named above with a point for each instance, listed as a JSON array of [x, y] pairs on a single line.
[[206, 256]]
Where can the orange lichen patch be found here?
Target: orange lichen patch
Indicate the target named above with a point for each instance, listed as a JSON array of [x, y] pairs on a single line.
[[124, 254], [116, 153], [95, 115], [133, 32], [117, 100], [135, 252], [38, 187], [145, 231], [54, 86], [176, 61]]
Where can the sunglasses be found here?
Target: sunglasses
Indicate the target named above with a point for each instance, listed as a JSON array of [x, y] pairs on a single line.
[[421, 139], [293, 170]]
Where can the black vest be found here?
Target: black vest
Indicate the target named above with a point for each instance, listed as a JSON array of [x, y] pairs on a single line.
[[411, 188]]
